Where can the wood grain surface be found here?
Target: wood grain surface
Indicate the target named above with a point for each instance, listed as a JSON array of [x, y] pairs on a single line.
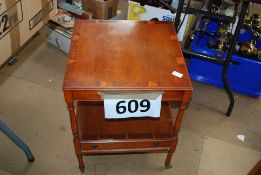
[[127, 55]]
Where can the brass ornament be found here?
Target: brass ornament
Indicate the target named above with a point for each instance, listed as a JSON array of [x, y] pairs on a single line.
[[222, 36], [255, 20], [214, 8], [248, 23], [248, 49], [206, 22]]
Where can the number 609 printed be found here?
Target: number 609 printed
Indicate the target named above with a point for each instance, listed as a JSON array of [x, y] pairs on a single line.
[[126, 108]]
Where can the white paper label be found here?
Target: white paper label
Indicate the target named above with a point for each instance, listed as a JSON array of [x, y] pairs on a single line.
[[126, 108], [177, 74]]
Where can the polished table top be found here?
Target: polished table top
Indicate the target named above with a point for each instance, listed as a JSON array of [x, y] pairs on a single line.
[[125, 55]]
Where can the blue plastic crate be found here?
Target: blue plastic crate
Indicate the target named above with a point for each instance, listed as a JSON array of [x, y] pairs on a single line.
[[244, 78]]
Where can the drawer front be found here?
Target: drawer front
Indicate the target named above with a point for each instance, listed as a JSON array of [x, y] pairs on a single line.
[[124, 146], [95, 96]]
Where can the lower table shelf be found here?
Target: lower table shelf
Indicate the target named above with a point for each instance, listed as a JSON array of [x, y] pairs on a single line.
[[99, 135]]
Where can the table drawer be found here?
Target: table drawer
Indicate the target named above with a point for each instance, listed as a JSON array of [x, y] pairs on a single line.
[[94, 147]]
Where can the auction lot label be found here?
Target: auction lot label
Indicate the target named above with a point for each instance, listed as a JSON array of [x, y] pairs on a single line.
[[127, 107]]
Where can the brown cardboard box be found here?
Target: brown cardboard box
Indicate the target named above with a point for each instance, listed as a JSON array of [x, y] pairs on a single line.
[[19, 21], [101, 9]]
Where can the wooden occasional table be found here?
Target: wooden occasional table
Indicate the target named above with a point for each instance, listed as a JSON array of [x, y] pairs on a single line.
[[124, 56]]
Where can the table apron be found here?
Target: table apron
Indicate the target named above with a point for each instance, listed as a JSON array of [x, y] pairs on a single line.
[[94, 96]]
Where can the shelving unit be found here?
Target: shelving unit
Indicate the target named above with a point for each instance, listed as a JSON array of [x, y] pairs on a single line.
[[226, 62]]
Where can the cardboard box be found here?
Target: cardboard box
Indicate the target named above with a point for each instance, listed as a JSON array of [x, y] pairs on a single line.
[[58, 38], [59, 29], [101, 9], [146, 12], [121, 15], [19, 21]]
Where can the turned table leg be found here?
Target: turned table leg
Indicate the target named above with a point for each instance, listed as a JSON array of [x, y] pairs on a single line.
[[76, 139], [177, 125], [170, 153]]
